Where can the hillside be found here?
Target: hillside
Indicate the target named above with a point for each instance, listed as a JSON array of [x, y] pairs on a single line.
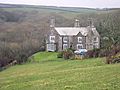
[[40, 8], [51, 74], [49, 8], [67, 12], [23, 28]]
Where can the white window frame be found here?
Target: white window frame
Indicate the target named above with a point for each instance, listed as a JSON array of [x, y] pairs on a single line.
[[65, 39], [52, 41], [51, 47], [65, 46], [80, 39], [96, 45], [81, 45]]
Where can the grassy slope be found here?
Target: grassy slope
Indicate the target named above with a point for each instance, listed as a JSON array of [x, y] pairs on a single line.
[[52, 74]]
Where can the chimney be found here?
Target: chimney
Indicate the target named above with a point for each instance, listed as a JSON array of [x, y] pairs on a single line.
[[91, 22], [52, 22], [76, 24], [52, 25]]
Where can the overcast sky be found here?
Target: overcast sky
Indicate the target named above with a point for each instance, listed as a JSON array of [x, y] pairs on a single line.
[[69, 3]]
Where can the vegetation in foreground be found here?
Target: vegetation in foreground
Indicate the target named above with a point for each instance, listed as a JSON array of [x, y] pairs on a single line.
[[50, 73]]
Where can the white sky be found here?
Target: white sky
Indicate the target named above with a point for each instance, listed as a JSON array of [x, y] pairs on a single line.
[[69, 3]]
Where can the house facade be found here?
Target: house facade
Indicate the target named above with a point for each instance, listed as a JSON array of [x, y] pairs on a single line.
[[61, 38]]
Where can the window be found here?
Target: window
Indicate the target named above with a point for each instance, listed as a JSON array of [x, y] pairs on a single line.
[[95, 39], [80, 39], [95, 45], [51, 47], [52, 39], [79, 46], [65, 39], [65, 46]]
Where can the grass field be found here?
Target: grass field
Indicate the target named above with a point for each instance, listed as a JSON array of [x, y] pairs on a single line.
[[50, 73]]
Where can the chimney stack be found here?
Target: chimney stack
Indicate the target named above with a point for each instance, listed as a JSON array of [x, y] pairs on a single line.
[[76, 24], [52, 22], [91, 22]]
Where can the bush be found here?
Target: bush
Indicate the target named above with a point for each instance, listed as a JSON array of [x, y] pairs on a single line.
[[4, 62], [68, 54], [99, 53], [113, 59], [60, 54], [103, 53], [89, 54], [93, 53], [113, 55], [42, 48]]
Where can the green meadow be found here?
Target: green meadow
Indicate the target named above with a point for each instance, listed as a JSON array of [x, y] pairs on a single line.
[[47, 72]]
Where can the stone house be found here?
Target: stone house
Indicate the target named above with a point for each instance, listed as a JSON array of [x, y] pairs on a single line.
[[61, 38]]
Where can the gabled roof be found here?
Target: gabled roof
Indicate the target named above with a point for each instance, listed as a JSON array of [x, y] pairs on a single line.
[[71, 31]]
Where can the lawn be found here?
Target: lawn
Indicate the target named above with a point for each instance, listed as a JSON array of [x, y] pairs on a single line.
[[50, 73]]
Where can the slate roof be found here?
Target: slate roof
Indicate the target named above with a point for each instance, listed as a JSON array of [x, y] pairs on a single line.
[[73, 31]]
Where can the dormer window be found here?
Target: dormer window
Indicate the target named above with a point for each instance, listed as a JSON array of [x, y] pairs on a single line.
[[65, 39], [52, 39], [79, 39]]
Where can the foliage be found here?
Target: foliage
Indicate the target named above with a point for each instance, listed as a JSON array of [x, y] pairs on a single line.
[[68, 53], [103, 52], [93, 53], [60, 54], [109, 53], [15, 16], [114, 55]]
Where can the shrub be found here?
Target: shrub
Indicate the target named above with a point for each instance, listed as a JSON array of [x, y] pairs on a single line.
[[89, 54], [4, 62], [42, 48], [93, 53], [68, 54], [113, 55], [103, 53], [113, 59], [60, 54], [108, 60]]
